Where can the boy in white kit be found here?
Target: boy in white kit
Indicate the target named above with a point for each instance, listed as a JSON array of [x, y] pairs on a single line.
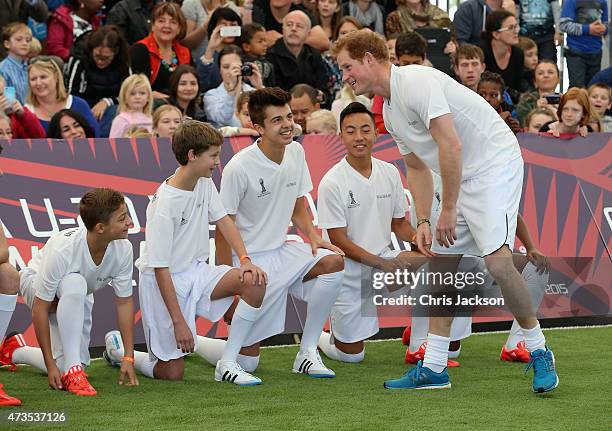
[[58, 285], [442, 126], [176, 282], [360, 202], [9, 288], [263, 188]]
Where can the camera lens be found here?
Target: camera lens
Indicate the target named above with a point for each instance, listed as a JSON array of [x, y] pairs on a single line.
[[246, 70]]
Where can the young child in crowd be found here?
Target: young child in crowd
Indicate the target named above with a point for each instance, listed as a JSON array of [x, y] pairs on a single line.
[[166, 120], [135, 106], [254, 46], [601, 101], [537, 118], [242, 113], [491, 87], [16, 39]]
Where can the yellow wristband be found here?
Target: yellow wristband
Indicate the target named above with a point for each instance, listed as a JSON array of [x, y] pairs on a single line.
[[128, 359], [246, 256]]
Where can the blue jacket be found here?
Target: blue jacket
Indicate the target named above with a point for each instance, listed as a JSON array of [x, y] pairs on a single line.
[[576, 15]]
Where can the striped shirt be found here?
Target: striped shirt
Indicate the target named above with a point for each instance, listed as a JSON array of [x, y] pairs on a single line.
[[15, 73]]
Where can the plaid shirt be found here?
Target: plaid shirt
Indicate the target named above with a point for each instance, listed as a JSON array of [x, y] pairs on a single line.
[[15, 73]]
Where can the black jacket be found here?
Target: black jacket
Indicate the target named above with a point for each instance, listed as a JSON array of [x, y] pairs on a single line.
[[309, 68], [86, 80], [133, 17], [469, 21]]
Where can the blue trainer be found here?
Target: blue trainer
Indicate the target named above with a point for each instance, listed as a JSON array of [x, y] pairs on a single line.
[[545, 377], [420, 377]]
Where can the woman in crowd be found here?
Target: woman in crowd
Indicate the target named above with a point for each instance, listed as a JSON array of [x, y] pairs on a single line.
[[47, 94], [197, 14], [345, 25], [546, 79], [574, 115], [97, 76], [412, 14], [6, 131], [69, 22], [219, 102], [166, 120], [69, 124], [185, 92], [502, 55], [161, 52], [328, 14], [208, 64], [369, 13]]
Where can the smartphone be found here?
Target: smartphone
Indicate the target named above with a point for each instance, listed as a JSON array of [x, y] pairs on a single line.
[[9, 93], [230, 31], [553, 99]]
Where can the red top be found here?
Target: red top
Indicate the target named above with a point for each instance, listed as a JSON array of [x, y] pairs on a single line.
[[60, 32], [26, 127], [182, 54], [377, 110]]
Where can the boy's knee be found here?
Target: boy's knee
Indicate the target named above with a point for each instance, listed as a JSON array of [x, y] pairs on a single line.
[[331, 263], [9, 279], [171, 370]]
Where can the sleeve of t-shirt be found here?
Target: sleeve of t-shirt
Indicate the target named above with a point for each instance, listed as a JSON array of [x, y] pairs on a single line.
[[305, 185], [216, 210], [233, 187], [190, 10], [429, 101], [330, 206], [122, 282], [399, 197], [53, 268], [160, 237]]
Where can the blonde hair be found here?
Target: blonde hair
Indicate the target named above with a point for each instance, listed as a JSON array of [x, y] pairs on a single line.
[[328, 119], [159, 112], [137, 132], [131, 83], [35, 48], [50, 66]]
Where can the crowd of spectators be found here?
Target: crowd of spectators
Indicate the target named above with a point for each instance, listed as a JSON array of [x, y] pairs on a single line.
[[121, 68]]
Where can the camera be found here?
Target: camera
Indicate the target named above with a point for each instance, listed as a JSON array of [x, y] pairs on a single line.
[[246, 69], [553, 99]]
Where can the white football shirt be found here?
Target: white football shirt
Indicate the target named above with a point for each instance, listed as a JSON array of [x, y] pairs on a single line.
[[67, 252], [365, 206], [262, 194], [419, 94], [177, 226]]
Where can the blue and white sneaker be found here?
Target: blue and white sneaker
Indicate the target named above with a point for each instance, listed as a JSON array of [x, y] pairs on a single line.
[[114, 348], [420, 377], [310, 363], [545, 377]]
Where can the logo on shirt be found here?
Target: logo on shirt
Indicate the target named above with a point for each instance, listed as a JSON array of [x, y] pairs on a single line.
[[352, 203], [183, 221], [264, 191], [105, 279], [291, 184], [384, 196]]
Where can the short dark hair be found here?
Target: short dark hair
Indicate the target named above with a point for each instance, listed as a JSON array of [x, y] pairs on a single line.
[[493, 77], [110, 37], [468, 51], [173, 10], [97, 206], [226, 50], [355, 108], [298, 90], [55, 131], [260, 99], [194, 135], [249, 31], [410, 43], [175, 78], [221, 13], [494, 22]]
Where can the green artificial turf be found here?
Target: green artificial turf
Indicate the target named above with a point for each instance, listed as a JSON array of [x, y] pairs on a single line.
[[486, 394]]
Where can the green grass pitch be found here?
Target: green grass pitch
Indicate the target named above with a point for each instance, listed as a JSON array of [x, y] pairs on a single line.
[[486, 394]]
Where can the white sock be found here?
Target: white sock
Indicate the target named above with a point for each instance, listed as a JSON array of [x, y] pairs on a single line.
[[248, 363], [144, 364], [242, 322], [515, 336], [534, 338], [436, 354], [32, 356], [7, 306], [322, 299], [454, 354], [332, 352], [70, 318], [211, 349], [418, 332], [536, 284]]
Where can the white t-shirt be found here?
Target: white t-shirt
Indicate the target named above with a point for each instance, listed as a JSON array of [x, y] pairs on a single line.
[[177, 226], [365, 206], [262, 194], [67, 252], [420, 94]]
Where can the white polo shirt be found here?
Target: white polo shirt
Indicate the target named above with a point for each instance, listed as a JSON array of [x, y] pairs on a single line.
[[420, 94]]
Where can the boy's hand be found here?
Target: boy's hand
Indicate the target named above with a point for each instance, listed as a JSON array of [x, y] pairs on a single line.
[[184, 337], [258, 274], [127, 369], [317, 242], [55, 377]]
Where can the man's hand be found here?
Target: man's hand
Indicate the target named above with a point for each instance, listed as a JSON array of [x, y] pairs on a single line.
[[597, 28], [317, 242], [184, 337], [540, 261], [391, 265], [259, 276], [55, 377], [127, 370], [423, 239], [445, 230]]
